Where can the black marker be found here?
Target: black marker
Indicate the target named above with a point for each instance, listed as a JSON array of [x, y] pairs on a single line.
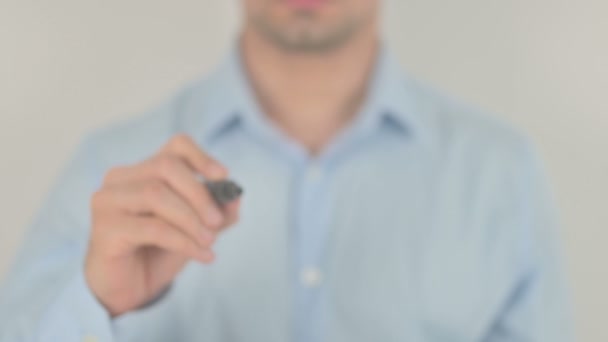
[[224, 191]]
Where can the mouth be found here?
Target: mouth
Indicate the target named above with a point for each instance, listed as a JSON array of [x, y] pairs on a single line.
[[306, 4]]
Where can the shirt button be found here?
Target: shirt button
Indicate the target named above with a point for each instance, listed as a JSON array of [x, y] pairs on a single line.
[[314, 173], [311, 277], [90, 338]]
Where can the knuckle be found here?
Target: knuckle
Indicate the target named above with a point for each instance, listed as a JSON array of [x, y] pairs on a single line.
[[155, 191], [176, 241], [188, 221], [112, 174], [183, 244], [98, 222], [201, 199], [193, 223], [102, 227], [206, 162], [180, 140], [165, 165], [98, 199]]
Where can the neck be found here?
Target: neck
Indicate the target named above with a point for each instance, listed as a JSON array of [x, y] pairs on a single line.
[[310, 96]]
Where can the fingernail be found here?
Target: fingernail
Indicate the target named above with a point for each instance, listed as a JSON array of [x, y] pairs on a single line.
[[207, 237], [214, 217], [218, 170], [207, 256]]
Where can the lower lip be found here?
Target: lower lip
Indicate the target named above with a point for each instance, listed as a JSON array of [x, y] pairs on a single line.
[[306, 4]]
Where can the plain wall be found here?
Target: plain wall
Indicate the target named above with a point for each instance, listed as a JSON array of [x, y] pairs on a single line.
[[67, 66]]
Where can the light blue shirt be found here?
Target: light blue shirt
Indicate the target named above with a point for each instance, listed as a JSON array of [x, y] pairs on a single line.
[[423, 221]]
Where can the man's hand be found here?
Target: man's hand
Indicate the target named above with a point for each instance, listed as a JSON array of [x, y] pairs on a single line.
[[149, 219]]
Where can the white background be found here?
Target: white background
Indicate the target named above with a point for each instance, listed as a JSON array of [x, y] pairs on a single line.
[[67, 66]]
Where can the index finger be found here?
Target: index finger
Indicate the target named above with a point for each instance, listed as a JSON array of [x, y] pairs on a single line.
[[184, 147]]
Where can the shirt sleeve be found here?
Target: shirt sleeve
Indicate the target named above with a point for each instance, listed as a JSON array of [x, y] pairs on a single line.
[[538, 308], [45, 296]]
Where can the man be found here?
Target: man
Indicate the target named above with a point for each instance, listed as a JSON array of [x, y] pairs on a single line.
[[374, 209]]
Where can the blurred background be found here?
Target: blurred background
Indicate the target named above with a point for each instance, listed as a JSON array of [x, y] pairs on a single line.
[[68, 66]]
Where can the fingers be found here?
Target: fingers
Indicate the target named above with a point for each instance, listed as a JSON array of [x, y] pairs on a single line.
[[158, 203], [184, 147], [153, 198], [166, 188], [231, 212], [180, 177], [181, 147], [184, 181], [149, 231]]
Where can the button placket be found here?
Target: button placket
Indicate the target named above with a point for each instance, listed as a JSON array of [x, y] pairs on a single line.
[[311, 277], [311, 231], [314, 173]]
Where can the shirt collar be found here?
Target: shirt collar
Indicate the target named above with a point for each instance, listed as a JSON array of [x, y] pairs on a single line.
[[225, 99], [390, 97]]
